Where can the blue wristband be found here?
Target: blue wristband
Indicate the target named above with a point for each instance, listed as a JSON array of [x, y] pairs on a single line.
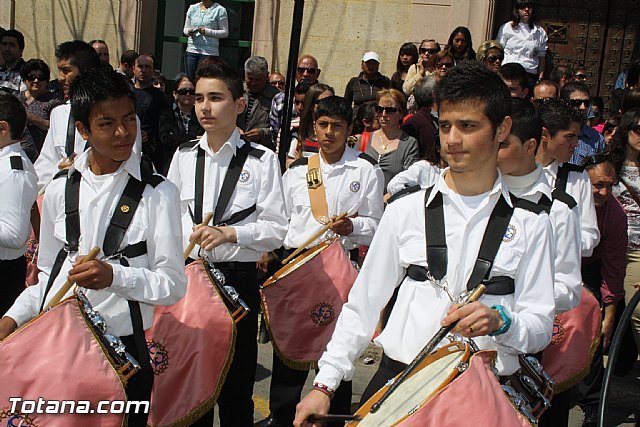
[[505, 319]]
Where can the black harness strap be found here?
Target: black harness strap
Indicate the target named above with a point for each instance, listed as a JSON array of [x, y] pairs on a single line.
[[70, 143], [436, 239], [199, 187]]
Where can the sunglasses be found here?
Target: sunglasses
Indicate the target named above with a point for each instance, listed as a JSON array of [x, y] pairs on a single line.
[[430, 51], [389, 110], [593, 160], [445, 65], [277, 83], [576, 103], [310, 70], [581, 76], [186, 91], [541, 101], [494, 58], [34, 77]]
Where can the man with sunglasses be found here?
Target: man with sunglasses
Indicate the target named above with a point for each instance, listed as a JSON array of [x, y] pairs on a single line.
[[576, 95], [277, 80], [543, 91], [307, 71]]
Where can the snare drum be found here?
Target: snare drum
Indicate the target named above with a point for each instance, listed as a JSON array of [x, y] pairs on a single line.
[[64, 354], [191, 347], [303, 300]]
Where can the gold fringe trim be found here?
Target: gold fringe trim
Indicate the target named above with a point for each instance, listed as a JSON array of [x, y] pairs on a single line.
[[299, 365]]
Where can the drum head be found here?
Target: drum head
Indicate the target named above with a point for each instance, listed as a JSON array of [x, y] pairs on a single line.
[[415, 391], [298, 262]]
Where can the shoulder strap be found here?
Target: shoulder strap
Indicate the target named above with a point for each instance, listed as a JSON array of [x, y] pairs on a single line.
[[368, 158], [72, 215], [122, 216], [401, 193], [189, 144], [302, 161], [70, 144], [16, 163], [564, 197], [315, 186], [545, 203], [563, 175]]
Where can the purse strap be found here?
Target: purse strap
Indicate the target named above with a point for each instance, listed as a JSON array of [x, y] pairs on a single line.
[[315, 186]]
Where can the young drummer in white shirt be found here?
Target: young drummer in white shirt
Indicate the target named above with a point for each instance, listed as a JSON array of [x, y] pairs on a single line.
[[104, 107], [474, 105], [560, 130], [18, 186], [234, 248], [525, 179], [353, 183]]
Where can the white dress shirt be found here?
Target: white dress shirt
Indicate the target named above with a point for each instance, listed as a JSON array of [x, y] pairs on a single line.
[[523, 45], [421, 173], [565, 223], [155, 278], [55, 143], [579, 187], [351, 185], [525, 256], [260, 183], [19, 191]]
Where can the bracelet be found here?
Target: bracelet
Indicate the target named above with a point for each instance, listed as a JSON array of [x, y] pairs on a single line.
[[323, 388], [505, 319]]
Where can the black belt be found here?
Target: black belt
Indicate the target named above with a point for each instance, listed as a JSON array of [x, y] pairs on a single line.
[[393, 365], [498, 285]]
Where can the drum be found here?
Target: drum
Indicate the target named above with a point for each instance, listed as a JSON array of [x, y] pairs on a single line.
[[191, 347], [576, 335], [302, 301], [64, 359], [530, 389]]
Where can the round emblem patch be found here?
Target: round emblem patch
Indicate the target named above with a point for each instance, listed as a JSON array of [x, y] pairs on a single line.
[[159, 357], [558, 331], [245, 176], [510, 234], [354, 186], [322, 313]]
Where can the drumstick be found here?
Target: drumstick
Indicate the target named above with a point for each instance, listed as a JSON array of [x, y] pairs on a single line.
[[313, 238], [93, 253], [431, 345], [330, 418], [205, 221]]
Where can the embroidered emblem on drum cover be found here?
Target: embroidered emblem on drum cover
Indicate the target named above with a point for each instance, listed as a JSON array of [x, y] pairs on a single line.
[[558, 331], [322, 313], [510, 234], [245, 176], [159, 357], [15, 419], [354, 186]]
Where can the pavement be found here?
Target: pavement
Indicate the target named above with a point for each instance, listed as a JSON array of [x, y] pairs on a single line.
[[624, 398]]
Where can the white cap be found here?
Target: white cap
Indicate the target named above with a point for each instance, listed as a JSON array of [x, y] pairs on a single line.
[[371, 56]]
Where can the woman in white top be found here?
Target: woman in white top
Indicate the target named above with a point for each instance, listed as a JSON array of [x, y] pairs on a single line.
[[206, 22], [524, 41]]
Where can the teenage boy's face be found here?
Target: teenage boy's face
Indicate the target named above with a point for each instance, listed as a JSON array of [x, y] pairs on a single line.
[[467, 140], [215, 107], [112, 130], [512, 156], [562, 145], [67, 73], [332, 133]]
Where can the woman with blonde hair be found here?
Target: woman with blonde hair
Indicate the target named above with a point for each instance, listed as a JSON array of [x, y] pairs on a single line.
[[491, 54], [393, 148]]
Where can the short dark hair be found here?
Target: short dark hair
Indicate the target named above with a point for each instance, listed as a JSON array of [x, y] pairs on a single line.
[[571, 87], [96, 85], [79, 53], [334, 106], [129, 57], [560, 71], [633, 73], [526, 123], [631, 100], [556, 116], [16, 35], [471, 81], [223, 72], [367, 111], [12, 111], [516, 73], [515, 16], [35, 65]]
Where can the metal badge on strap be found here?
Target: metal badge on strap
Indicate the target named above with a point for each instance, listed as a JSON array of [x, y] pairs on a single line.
[[315, 186]]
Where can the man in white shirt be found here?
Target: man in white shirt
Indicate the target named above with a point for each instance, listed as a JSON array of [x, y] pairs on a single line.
[[353, 183], [18, 186], [474, 105], [150, 271], [560, 130], [251, 222]]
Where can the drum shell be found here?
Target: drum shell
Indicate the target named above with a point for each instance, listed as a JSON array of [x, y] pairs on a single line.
[[191, 347], [576, 335], [302, 307], [56, 356]]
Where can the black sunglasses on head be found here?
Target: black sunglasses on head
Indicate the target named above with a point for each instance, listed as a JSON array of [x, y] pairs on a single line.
[[186, 91]]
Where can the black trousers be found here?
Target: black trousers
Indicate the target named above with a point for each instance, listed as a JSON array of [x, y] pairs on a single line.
[[286, 388], [139, 386], [12, 277], [235, 403]]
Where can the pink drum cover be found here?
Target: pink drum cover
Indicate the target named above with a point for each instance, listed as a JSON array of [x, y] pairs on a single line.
[[576, 335], [475, 397], [301, 308], [56, 357], [191, 347]]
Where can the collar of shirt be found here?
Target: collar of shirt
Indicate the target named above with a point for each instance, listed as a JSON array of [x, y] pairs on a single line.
[[552, 169], [232, 144], [499, 187], [349, 159], [131, 165], [10, 149]]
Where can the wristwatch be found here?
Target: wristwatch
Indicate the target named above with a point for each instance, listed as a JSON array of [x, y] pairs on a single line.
[[505, 319]]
